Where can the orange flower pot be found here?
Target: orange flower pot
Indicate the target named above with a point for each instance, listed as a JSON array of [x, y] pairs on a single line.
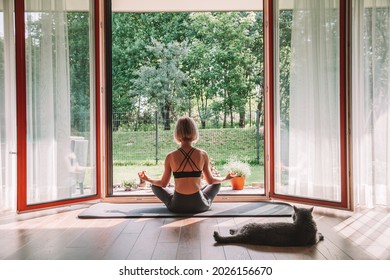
[[237, 183]]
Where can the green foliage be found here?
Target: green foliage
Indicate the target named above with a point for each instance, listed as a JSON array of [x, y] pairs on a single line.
[[222, 63], [285, 25], [207, 65], [178, 62], [79, 61], [160, 82]]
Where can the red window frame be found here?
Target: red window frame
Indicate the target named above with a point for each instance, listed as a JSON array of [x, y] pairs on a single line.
[[21, 118], [345, 8]]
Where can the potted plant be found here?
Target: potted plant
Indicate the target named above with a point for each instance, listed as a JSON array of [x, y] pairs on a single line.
[[241, 170], [128, 185]]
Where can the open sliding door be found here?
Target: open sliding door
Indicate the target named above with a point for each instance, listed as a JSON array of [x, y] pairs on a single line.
[[309, 126], [176, 58], [57, 101]]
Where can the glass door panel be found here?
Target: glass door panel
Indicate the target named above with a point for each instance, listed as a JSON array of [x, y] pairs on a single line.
[[371, 103], [60, 93], [307, 100], [7, 108]]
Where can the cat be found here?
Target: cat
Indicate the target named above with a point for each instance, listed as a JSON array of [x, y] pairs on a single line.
[[301, 232]]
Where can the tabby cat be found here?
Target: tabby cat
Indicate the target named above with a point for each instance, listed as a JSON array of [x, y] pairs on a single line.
[[301, 232]]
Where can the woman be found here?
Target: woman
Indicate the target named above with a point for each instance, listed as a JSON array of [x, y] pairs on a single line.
[[187, 164]]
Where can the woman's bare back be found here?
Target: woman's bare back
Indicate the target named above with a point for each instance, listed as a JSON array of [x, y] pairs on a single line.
[[196, 162]]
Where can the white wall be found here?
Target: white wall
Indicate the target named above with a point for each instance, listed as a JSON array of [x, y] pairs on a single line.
[[185, 5]]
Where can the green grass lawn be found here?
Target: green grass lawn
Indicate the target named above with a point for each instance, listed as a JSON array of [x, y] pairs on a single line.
[[139, 147], [122, 173], [136, 150]]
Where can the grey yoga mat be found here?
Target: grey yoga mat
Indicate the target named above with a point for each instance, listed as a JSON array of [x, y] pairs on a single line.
[[218, 209]]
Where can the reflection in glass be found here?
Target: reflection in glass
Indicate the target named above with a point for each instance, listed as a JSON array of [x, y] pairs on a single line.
[[60, 102], [307, 110]]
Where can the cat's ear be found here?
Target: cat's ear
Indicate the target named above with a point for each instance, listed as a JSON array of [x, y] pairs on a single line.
[[295, 208], [311, 209]]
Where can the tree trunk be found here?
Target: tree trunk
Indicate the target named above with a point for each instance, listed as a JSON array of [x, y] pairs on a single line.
[[260, 108], [231, 118], [224, 118], [166, 117], [241, 122], [137, 123], [189, 108], [250, 112]]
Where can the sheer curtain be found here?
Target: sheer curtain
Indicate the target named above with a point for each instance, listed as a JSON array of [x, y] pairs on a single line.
[[310, 139], [7, 108], [48, 101], [371, 102]]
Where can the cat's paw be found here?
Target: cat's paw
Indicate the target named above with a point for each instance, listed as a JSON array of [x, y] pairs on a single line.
[[216, 236], [232, 231]]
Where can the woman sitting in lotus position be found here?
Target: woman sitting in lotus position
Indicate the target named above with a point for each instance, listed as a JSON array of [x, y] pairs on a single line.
[[187, 164]]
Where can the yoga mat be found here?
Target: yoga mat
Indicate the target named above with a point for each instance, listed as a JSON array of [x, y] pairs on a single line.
[[218, 209]]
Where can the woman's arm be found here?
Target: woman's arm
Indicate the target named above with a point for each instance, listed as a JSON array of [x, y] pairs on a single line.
[[208, 176], [165, 178]]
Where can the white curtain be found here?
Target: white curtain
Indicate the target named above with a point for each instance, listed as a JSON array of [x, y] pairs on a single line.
[[7, 108], [48, 101], [371, 102], [313, 131]]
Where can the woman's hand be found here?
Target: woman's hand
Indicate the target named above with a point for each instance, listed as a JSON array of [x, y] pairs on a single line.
[[142, 175], [230, 175], [163, 182]]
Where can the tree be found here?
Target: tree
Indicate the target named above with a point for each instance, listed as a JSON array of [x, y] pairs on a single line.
[[221, 62], [161, 82], [285, 27], [79, 61], [234, 62], [222, 70], [198, 66], [133, 34], [128, 54]]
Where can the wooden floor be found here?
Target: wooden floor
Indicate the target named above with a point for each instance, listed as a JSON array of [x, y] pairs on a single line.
[[59, 234]]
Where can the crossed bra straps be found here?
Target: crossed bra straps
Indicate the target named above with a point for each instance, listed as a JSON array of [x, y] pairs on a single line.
[[187, 160]]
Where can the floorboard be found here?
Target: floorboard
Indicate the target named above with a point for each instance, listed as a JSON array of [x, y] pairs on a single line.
[[59, 234], [208, 248], [189, 243], [232, 251], [121, 247], [145, 244]]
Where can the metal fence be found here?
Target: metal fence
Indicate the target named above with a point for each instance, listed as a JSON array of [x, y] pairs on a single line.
[[148, 145]]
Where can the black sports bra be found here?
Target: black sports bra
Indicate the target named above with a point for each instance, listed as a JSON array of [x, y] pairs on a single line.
[[187, 159]]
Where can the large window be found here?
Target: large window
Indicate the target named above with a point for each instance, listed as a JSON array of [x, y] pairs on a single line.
[[197, 58], [308, 157]]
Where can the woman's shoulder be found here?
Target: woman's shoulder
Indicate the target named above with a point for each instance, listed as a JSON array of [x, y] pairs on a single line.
[[169, 156], [202, 152], [171, 153]]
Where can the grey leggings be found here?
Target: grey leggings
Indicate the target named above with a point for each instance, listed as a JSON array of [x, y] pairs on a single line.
[[187, 203]]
